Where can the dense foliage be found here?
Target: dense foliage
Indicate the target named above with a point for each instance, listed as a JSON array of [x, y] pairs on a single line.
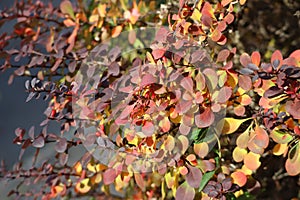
[[157, 94]]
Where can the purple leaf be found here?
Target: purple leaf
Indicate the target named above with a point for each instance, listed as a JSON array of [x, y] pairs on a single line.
[[194, 176], [39, 142], [61, 145], [184, 191]]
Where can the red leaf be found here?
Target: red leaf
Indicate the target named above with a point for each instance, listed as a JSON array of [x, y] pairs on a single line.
[[223, 55], [187, 83], [222, 40], [245, 82], [225, 2], [293, 108], [229, 18], [216, 35], [205, 119], [109, 176], [158, 53], [161, 35], [114, 69], [255, 58], [296, 55], [148, 79], [277, 56], [245, 59]]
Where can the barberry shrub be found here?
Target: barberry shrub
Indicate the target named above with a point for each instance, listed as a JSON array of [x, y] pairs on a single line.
[[157, 97]]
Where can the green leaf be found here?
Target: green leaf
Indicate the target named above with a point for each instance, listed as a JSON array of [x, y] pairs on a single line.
[[67, 8], [198, 135], [205, 178]]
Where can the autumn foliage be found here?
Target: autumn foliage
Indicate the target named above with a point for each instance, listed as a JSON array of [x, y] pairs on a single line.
[[184, 116]]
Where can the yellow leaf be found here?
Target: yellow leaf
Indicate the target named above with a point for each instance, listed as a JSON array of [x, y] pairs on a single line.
[[280, 149], [232, 124], [238, 154], [83, 186], [201, 149], [242, 2], [196, 16], [78, 167]]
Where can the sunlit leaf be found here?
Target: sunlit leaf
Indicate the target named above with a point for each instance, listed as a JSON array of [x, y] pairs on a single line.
[[280, 137], [184, 142], [158, 53], [239, 110], [225, 2], [116, 31], [83, 186], [260, 137], [165, 124], [280, 149], [183, 170], [238, 154], [201, 149], [232, 124], [187, 83], [255, 58], [170, 180], [251, 161], [242, 139], [292, 163], [169, 143], [239, 178]]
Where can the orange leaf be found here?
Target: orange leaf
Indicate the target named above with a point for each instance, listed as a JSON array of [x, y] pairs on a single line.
[[116, 31], [251, 161], [225, 2], [83, 186], [255, 58], [239, 178], [201, 149]]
